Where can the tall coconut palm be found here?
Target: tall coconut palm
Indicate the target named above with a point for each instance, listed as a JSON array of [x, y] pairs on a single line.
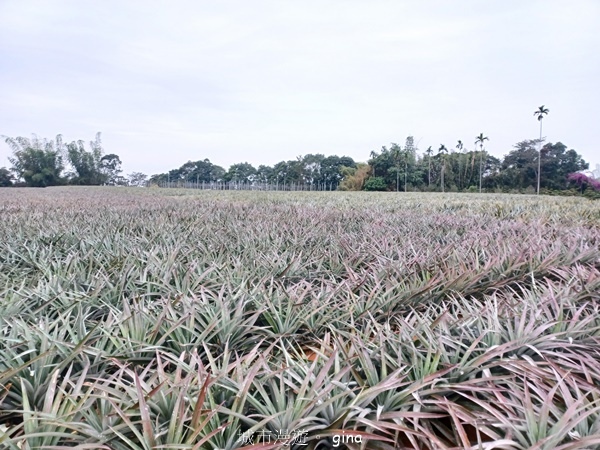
[[429, 151], [406, 155], [480, 140], [397, 156], [442, 151], [459, 147], [540, 113]]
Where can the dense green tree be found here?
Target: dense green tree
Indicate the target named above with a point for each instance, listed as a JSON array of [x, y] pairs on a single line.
[[468, 172], [85, 164], [376, 184], [557, 164], [110, 168], [354, 179], [519, 169], [311, 169], [311, 166], [281, 173], [5, 177], [202, 171], [384, 165], [410, 159], [264, 174], [395, 162], [92, 167], [241, 173], [39, 162], [331, 169], [137, 179], [491, 172], [292, 171]]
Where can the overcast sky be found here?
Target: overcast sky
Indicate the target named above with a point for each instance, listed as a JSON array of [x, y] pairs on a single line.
[[264, 81]]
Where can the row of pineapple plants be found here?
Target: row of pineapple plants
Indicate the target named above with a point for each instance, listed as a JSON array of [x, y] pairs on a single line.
[[298, 321]]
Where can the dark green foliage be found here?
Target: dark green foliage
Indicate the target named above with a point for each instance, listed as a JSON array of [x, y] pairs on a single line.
[[5, 177], [519, 168], [110, 167], [285, 172], [202, 171], [460, 170], [264, 174], [557, 164], [241, 173], [37, 161], [87, 165], [137, 179], [376, 184], [331, 168], [309, 170], [41, 162]]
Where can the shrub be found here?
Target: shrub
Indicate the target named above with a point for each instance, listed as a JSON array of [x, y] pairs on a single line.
[[375, 184]]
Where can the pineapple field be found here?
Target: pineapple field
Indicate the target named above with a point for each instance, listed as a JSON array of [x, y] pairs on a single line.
[[179, 319]]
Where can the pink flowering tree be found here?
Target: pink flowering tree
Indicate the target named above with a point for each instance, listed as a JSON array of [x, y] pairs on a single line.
[[583, 181]]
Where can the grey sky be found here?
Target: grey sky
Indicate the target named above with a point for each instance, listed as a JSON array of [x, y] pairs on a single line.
[[265, 81]]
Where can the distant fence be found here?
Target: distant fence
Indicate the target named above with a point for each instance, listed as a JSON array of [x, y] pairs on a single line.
[[235, 186]]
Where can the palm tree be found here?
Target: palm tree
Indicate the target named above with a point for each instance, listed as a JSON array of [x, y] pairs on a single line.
[[540, 113], [459, 147], [373, 156], [479, 140], [441, 151], [429, 151], [406, 154], [396, 153]]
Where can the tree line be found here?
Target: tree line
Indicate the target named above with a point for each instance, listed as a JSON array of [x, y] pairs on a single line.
[[42, 162], [308, 170], [402, 168], [459, 170]]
